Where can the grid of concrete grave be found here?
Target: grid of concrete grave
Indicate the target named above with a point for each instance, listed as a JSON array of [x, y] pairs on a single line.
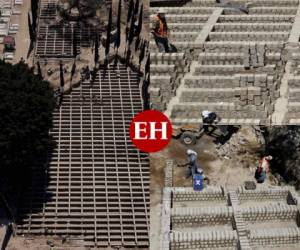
[[234, 62], [55, 40], [216, 218], [96, 187]]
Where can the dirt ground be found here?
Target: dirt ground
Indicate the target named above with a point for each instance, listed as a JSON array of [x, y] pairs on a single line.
[[22, 37], [221, 163]]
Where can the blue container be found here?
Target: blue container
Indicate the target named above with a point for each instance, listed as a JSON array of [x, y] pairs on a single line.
[[198, 182]]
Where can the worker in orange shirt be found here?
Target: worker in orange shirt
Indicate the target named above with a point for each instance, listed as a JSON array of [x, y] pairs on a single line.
[[160, 31]]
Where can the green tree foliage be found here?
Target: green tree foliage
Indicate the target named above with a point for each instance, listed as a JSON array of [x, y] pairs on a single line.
[[26, 105]]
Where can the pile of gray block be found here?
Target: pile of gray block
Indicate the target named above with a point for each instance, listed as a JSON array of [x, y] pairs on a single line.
[[195, 216], [238, 59], [208, 194], [204, 240], [166, 72]]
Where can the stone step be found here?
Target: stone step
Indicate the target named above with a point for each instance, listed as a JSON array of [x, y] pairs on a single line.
[[185, 10], [294, 82], [162, 69], [248, 36], [294, 122], [229, 81], [265, 27], [226, 110], [256, 18], [209, 81], [273, 236], [222, 94], [203, 239], [229, 69], [186, 27], [185, 18], [167, 58], [220, 58], [265, 11], [294, 94], [294, 107], [255, 3], [242, 57], [182, 36], [237, 46], [161, 81]]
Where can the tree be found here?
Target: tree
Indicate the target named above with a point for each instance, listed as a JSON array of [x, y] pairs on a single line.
[[140, 23], [61, 75], [34, 10], [118, 35], [108, 34], [96, 55], [26, 106], [75, 42], [31, 32], [39, 70]]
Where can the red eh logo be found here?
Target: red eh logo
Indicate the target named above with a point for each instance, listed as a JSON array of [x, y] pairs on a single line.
[[150, 131]]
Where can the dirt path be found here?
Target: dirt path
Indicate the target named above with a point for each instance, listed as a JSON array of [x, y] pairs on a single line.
[[22, 37]]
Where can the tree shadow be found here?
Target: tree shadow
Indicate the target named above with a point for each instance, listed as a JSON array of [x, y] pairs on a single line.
[[35, 193], [222, 133], [283, 143]]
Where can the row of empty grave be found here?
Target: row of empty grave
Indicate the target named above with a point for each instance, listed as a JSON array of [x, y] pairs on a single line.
[[229, 62], [9, 26], [56, 39], [215, 218], [94, 190]]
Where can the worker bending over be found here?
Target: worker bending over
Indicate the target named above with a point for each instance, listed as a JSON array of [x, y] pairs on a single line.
[[192, 166]]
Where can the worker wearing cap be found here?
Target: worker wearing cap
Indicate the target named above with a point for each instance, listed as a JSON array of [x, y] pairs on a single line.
[[262, 169], [192, 165], [160, 31]]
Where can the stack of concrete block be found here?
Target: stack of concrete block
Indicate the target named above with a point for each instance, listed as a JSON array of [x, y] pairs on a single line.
[[272, 211], [250, 27], [185, 27], [161, 91], [201, 216], [257, 18], [166, 219], [220, 58], [183, 36], [249, 36], [185, 10], [274, 236], [204, 240], [238, 60], [166, 72], [255, 3], [224, 109], [177, 59], [265, 10], [263, 194], [169, 173], [188, 194]]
